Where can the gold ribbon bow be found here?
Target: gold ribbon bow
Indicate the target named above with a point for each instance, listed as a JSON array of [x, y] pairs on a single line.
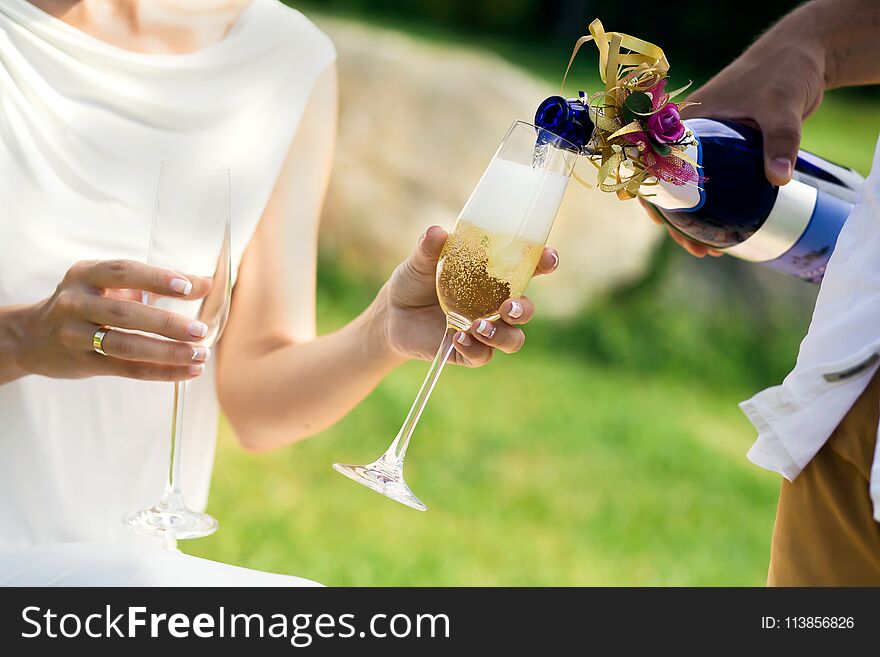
[[639, 69]]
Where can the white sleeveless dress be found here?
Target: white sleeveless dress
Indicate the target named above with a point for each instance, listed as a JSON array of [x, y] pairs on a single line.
[[84, 127]]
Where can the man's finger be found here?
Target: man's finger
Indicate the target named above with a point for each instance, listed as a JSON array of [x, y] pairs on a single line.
[[782, 139], [694, 248], [653, 213]]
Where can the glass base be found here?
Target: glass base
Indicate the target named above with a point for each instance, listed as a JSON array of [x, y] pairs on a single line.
[[171, 519], [384, 476]]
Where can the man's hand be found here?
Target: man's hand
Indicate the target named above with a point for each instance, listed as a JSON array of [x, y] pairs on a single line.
[[774, 85], [694, 248]]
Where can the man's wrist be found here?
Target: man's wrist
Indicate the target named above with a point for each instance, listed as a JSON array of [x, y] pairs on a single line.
[[842, 32], [808, 32]]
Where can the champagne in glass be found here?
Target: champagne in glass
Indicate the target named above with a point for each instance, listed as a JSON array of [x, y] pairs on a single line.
[[490, 256], [191, 235]]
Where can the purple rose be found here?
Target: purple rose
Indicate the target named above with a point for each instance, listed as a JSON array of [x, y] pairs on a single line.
[[665, 124]]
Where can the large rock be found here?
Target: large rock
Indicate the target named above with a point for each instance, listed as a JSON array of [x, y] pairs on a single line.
[[419, 122]]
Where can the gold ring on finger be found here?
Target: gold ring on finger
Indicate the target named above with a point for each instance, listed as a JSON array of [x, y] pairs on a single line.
[[98, 340]]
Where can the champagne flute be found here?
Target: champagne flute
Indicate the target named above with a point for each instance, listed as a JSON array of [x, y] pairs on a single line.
[[490, 256], [191, 235]]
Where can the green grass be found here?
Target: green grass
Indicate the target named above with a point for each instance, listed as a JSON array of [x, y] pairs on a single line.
[[541, 469], [844, 130], [538, 470]]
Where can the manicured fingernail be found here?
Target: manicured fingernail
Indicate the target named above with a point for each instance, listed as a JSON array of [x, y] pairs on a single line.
[[195, 370], [781, 167], [486, 329], [181, 285], [201, 354], [197, 329], [555, 257], [463, 339], [516, 309]]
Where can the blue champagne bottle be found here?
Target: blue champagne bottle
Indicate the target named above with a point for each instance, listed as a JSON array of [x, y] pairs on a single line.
[[792, 228]]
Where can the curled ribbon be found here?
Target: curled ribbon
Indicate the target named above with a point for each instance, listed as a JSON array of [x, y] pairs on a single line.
[[611, 60]]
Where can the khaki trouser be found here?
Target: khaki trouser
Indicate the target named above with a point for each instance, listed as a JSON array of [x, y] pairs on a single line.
[[825, 534]]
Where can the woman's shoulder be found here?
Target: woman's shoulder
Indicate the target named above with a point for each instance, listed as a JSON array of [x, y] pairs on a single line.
[[292, 29]]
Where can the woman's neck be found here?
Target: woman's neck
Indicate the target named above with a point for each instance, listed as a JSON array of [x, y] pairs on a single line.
[[150, 26]]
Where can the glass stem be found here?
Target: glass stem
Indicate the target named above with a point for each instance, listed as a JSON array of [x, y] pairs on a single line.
[[172, 487], [397, 450]]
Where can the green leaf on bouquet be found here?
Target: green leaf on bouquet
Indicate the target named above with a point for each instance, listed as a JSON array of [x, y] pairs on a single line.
[[636, 105], [661, 149]]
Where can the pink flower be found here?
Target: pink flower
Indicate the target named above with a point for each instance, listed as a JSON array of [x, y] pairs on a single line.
[[665, 124]]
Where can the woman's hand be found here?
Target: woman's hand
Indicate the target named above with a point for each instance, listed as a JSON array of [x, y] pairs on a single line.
[[55, 336], [412, 322]]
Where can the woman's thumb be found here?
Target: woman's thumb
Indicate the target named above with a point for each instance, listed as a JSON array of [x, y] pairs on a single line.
[[423, 261]]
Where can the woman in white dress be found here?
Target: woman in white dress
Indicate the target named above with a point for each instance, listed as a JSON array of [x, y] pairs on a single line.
[[94, 94]]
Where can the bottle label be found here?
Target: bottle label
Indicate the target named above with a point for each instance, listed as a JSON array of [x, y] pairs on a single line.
[[809, 255], [787, 221]]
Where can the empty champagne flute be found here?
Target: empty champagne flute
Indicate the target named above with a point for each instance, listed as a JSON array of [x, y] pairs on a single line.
[[489, 257], [190, 235]]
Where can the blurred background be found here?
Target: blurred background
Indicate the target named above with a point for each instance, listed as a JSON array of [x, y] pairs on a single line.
[[610, 451]]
